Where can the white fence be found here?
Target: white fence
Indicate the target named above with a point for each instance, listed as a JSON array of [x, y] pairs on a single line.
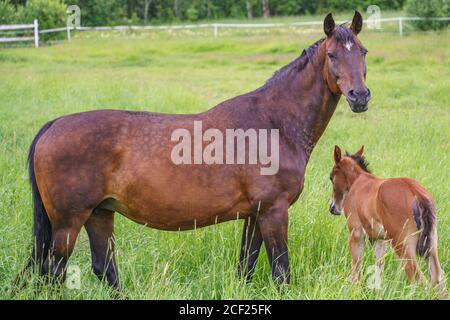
[[34, 26], [214, 26]]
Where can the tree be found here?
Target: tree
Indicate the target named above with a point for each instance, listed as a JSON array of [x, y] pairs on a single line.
[[249, 9], [266, 8], [177, 8], [146, 7]]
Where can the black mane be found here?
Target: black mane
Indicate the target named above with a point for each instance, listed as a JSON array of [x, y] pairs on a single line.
[[360, 160], [297, 65], [341, 34]]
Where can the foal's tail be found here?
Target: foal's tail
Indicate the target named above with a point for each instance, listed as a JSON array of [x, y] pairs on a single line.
[[425, 217]]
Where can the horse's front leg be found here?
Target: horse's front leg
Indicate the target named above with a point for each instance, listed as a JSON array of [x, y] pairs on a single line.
[[251, 244], [273, 225], [356, 244]]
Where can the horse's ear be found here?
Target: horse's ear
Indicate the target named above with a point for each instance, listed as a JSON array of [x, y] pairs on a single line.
[[337, 154], [357, 23], [328, 25], [360, 152]]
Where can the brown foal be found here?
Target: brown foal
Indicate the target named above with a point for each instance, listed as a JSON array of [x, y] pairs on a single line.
[[396, 209]]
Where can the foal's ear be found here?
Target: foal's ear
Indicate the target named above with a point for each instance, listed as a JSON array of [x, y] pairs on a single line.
[[337, 154], [360, 152], [357, 23], [328, 25]]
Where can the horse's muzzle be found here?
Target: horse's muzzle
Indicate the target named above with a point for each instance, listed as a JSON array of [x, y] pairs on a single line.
[[334, 210], [359, 99]]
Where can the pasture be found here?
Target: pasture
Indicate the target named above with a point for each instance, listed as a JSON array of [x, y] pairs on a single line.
[[406, 132]]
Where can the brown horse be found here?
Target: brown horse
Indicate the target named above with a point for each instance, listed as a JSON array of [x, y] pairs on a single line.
[[84, 167], [396, 209]]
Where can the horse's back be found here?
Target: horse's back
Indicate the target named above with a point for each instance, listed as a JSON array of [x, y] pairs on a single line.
[[396, 200]]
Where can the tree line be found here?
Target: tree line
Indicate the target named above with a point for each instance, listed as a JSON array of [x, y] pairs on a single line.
[[145, 11], [52, 13], [109, 12]]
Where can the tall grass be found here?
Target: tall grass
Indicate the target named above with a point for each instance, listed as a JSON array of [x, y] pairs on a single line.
[[406, 133]]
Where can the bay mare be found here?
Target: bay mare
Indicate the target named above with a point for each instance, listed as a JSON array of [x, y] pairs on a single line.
[[399, 210], [84, 167]]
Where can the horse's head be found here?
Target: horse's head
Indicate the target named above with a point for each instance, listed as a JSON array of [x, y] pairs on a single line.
[[343, 172], [345, 66]]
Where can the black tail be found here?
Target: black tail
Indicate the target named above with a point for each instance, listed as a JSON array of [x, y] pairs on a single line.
[[42, 232], [425, 216]]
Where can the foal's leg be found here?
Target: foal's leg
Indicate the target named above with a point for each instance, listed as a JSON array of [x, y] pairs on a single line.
[[274, 230], [380, 251], [406, 250], [100, 229], [251, 244], [437, 276], [356, 244]]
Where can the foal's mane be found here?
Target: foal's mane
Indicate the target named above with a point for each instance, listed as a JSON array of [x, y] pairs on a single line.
[[360, 160], [341, 34]]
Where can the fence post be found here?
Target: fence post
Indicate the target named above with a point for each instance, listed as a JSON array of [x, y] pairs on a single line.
[[400, 25], [36, 34], [216, 30], [68, 33]]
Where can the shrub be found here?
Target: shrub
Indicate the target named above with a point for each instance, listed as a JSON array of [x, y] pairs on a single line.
[[430, 8], [50, 13], [7, 13], [192, 13]]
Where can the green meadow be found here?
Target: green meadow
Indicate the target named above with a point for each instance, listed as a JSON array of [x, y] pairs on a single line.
[[406, 132]]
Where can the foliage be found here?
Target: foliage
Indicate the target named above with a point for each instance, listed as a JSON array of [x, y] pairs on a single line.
[[50, 13], [430, 8], [8, 13], [114, 12]]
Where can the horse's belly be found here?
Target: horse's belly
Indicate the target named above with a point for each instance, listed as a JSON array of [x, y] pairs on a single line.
[[184, 210], [182, 218]]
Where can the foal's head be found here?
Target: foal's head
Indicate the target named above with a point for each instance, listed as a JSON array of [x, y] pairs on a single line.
[[345, 65], [344, 171]]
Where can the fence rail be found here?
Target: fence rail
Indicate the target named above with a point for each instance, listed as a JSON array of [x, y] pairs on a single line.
[[215, 27], [34, 26]]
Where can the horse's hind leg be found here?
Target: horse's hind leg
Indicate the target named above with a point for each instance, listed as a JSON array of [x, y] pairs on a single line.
[[380, 252], [437, 276], [251, 244], [64, 235], [100, 229], [406, 250]]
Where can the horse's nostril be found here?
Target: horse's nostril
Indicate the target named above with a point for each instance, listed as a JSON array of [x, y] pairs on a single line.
[[332, 209], [363, 92], [351, 95]]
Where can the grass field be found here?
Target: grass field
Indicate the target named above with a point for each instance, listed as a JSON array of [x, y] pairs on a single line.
[[406, 133]]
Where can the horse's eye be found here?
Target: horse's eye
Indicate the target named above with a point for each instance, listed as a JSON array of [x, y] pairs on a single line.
[[331, 56]]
